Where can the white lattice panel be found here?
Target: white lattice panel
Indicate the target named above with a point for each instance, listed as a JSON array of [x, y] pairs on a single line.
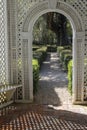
[[81, 7], [2, 43], [3, 50], [23, 6]]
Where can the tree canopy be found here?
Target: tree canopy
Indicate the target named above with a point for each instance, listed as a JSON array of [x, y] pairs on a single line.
[[52, 28]]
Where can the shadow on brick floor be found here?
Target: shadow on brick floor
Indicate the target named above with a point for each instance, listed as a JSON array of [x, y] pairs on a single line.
[[39, 117]]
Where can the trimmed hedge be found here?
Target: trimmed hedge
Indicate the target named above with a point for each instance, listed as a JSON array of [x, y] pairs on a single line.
[[68, 47], [35, 75], [59, 48], [63, 53], [51, 48], [67, 58], [70, 65], [40, 55], [35, 48]]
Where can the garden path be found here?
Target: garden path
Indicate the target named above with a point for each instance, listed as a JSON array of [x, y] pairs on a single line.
[[53, 86], [52, 108]]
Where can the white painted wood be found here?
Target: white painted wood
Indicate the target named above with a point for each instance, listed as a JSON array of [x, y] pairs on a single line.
[[22, 16]]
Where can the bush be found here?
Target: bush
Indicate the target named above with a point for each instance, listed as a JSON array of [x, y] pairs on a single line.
[[59, 49], [51, 48], [67, 58], [64, 52], [35, 75], [70, 65], [40, 54], [35, 48], [68, 47]]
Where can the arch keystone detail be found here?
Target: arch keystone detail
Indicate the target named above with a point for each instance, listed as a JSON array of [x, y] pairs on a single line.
[[52, 4]]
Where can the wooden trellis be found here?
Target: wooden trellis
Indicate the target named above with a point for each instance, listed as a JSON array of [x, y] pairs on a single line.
[[17, 18]]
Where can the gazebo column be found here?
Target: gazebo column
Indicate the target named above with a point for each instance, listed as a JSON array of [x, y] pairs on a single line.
[[78, 67], [27, 67]]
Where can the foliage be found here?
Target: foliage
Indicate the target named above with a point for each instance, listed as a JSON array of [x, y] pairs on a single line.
[[40, 54], [59, 49], [63, 53], [51, 48], [70, 65], [35, 75], [68, 47], [67, 58], [61, 26], [52, 28], [34, 48], [42, 34]]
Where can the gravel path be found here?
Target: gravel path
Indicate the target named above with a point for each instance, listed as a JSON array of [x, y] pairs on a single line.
[[53, 84], [52, 109]]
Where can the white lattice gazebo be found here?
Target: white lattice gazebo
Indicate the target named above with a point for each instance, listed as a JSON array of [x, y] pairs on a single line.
[[17, 19]]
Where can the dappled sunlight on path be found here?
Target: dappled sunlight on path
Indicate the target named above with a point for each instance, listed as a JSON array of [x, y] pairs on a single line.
[[53, 83], [53, 90], [52, 108]]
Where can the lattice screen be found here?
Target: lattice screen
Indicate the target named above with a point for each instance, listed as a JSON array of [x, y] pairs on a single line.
[[2, 43], [79, 5], [23, 7], [3, 60]]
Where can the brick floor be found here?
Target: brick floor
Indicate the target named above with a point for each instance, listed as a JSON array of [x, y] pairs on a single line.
[[40, 117], [52, 108]]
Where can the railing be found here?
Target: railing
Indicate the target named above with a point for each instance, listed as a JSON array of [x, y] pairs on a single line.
[[6, 94]]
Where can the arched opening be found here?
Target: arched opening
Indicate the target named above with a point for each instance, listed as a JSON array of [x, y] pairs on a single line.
[[50, 35], [78, 40]]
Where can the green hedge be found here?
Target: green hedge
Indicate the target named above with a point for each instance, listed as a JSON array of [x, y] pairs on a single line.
[[35, 48], [63, 53], [59, 48], [68, 47], [51, 48], [70, 65], [35, 75], [67, 58], [40, 55]]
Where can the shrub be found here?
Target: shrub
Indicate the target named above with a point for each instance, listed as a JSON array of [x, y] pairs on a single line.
[[43, 50], [35, 48], [40, 54], [35, 75], [59, 48], [63, 52], [51, 48], [70, 65], [68, 47], [67, 58]]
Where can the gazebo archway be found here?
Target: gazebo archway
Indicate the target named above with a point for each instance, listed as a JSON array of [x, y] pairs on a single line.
[[78, 41]]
